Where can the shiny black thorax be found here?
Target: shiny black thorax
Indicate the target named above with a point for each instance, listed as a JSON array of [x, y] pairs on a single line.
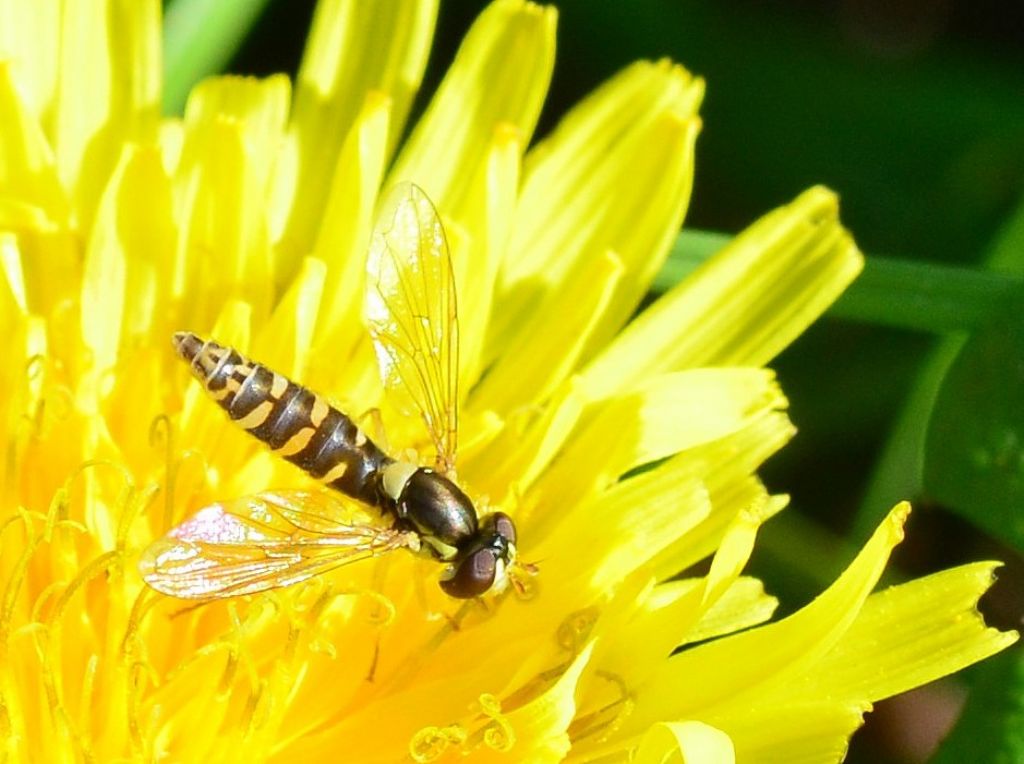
[[437, 509]]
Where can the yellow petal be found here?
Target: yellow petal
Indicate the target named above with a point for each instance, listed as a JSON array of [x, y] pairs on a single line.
[[730, 464], [733, 553], [446, 714], [597, 544], [104, 277], [171, 140], [148, 234], [225, 233], [642, 426], [29, 38], [615, 176], [546, 350], [41, 258], [634, 652], [354, 48], [108, 91], [526, 445], [232, 127], [188, 714], [719, 678], [259, 106], [907, 636], [808, 733], [542, 723], [770, 728], [747, 303], [685, 743], [285, 342], [742, 605], [14, 302], [27, 173], [129, 257], [481, 92], [580, 153], [485, 225], [25, 386], [344, 233]]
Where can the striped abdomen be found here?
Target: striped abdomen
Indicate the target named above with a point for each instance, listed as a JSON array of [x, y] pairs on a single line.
[[295, 422]]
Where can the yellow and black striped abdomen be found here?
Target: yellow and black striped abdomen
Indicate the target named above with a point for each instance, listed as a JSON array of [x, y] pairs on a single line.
[[295, 422]]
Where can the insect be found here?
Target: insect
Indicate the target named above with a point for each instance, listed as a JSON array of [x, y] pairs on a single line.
[[274, 539]]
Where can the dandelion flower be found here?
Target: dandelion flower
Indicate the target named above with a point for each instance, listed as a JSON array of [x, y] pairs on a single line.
[[248, 220]]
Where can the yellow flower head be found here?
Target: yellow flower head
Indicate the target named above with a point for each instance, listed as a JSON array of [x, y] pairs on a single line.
[[626, 451]]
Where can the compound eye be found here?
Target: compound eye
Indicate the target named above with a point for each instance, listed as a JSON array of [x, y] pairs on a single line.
[[473, 576], [499, 525], [504, 527]]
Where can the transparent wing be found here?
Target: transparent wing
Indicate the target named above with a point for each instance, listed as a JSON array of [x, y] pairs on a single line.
[[411, 314], [262, 542]]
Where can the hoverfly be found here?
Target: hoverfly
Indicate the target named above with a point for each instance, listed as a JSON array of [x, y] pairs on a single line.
[[274, 539]]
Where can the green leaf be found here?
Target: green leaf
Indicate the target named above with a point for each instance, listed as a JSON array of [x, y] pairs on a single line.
[[904, 294], [899, 473], [991, 728], [200, 37], [692, 247], [974, 451], [909, 294]]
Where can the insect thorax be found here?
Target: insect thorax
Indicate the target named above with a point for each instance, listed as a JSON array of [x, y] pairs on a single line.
[[431, 504]]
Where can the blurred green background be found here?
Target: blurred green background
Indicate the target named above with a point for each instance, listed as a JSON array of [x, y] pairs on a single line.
[[914, 113]]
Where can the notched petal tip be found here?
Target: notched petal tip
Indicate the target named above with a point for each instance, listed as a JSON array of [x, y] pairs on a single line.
[[896, 519], [527, 8], [818, 203]]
